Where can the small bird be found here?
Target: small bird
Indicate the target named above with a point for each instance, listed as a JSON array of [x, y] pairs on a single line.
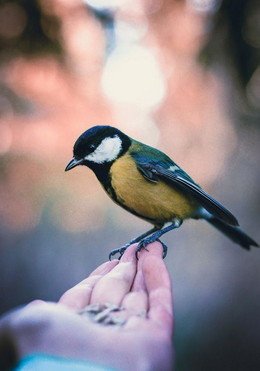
[[148, 184]]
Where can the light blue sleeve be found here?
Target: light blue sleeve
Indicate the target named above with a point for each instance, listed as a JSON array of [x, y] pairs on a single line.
[[46, 362]]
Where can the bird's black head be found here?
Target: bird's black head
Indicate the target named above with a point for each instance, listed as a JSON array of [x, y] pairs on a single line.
[[99, 145]]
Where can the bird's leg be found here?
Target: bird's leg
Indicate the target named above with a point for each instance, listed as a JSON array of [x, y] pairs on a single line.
[[122, 249], [156, 235]]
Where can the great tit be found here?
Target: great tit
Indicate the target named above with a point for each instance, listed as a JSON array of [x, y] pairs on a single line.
[[148, 184]]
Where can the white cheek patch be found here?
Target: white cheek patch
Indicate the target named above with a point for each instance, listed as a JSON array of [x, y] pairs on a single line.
[[107, 151]]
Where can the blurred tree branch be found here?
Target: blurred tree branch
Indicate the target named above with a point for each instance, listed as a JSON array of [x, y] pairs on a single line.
[[234, 43]]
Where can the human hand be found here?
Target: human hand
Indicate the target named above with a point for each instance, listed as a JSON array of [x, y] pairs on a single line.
[[143, 289], [141, 341]]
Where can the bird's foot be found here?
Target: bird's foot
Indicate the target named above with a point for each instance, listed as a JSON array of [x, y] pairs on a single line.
[[142, 245], [119, 251]]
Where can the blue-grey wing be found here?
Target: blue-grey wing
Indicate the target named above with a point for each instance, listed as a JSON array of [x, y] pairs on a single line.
[[170, 173]]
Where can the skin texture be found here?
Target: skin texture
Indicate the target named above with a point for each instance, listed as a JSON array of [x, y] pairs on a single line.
[[141, 286]]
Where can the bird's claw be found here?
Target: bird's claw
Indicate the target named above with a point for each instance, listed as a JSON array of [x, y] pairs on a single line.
[[165, 248], [119, 251], [142, 245]]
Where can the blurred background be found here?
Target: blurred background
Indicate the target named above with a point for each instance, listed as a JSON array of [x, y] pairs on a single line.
[[180, 75]]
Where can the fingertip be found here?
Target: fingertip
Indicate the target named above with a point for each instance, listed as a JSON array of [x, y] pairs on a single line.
[[129, 254], [154, 248], [104, 268], [36, 302]]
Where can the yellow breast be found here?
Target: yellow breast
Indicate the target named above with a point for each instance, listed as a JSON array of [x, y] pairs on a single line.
[[157, 201]]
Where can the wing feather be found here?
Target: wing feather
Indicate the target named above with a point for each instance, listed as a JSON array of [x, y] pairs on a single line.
[[154, 172]]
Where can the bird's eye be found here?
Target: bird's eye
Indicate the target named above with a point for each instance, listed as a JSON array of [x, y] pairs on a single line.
[[91, 146]]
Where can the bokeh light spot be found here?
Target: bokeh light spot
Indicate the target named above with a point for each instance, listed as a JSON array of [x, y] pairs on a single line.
[[132, 76]]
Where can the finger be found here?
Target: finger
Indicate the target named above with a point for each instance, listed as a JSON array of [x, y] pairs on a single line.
[[136, 302], [113, 287], [139, 284], [104, 268], [154, 248], [78, 297], [36, 302], [158, 284], [129, 254]]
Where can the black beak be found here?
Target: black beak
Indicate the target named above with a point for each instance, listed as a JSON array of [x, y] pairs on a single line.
[[73, 163]]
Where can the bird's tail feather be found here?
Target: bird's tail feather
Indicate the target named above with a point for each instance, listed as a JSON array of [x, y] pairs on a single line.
[[234, 233]]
